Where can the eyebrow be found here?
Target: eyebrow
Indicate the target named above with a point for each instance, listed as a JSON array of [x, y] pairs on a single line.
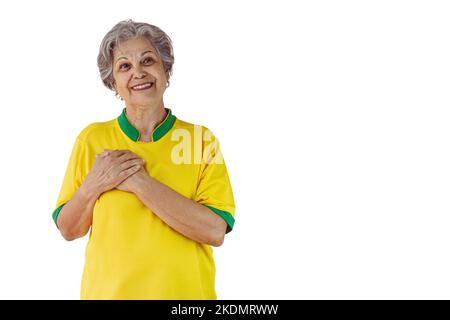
[[141, 55]]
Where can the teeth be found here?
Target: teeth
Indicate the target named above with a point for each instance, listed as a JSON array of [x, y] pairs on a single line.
[[142, 86]]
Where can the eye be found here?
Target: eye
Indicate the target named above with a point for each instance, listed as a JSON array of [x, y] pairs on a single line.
[[148, 60], [121, 66]]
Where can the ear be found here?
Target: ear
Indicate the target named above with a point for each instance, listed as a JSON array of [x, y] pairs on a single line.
[[167, 78]]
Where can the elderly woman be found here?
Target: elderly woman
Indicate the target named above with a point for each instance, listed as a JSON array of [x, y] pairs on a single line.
[[152, 189]]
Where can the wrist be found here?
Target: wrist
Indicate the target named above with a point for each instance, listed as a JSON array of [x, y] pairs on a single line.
[[90, 190], [140, 184]]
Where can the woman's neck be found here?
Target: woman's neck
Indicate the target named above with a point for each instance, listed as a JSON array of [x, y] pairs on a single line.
[[145, 119]]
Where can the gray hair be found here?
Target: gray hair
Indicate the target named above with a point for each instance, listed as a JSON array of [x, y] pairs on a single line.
[[126, 30]]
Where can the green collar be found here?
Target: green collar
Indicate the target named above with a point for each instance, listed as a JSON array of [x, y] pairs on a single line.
[[157, 134]]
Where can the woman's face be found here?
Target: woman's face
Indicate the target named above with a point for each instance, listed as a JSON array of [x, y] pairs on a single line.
[[136, 62]]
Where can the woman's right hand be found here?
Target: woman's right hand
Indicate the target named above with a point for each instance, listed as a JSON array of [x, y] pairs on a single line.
[[112, 167]]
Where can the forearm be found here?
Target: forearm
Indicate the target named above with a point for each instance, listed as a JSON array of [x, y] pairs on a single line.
[[186, 216], [75, 217]]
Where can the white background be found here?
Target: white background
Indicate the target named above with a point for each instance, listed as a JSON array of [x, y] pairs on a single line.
[[333, 117]]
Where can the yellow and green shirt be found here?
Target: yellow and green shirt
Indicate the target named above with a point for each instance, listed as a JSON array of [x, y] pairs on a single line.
[[131, 252]]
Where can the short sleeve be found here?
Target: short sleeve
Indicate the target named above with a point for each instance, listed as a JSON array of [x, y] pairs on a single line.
[[214, 187], [73, 177]]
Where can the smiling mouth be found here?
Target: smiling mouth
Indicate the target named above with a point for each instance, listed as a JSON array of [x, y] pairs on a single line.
[[143, 86]]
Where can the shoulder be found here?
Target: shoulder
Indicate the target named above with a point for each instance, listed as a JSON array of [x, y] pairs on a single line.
[[96, 129]]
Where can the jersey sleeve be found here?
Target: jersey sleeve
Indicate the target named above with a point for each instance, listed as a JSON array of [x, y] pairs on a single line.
[[73, 177], [214, 187]]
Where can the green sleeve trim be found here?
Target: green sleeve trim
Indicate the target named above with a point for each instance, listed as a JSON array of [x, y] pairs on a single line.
[[226, 216], [56, 213]]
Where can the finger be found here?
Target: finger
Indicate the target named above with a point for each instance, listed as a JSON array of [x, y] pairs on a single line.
[[127, 156], [128, 172], [106, 152], [130, 163], [117, 153]]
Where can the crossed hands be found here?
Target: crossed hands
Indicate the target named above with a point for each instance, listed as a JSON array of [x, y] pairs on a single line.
[[117, 169]]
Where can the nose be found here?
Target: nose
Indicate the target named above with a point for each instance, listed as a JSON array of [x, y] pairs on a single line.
[[139, 73]]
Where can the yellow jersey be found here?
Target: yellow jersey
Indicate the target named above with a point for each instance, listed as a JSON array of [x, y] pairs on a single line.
[[131, 252]]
